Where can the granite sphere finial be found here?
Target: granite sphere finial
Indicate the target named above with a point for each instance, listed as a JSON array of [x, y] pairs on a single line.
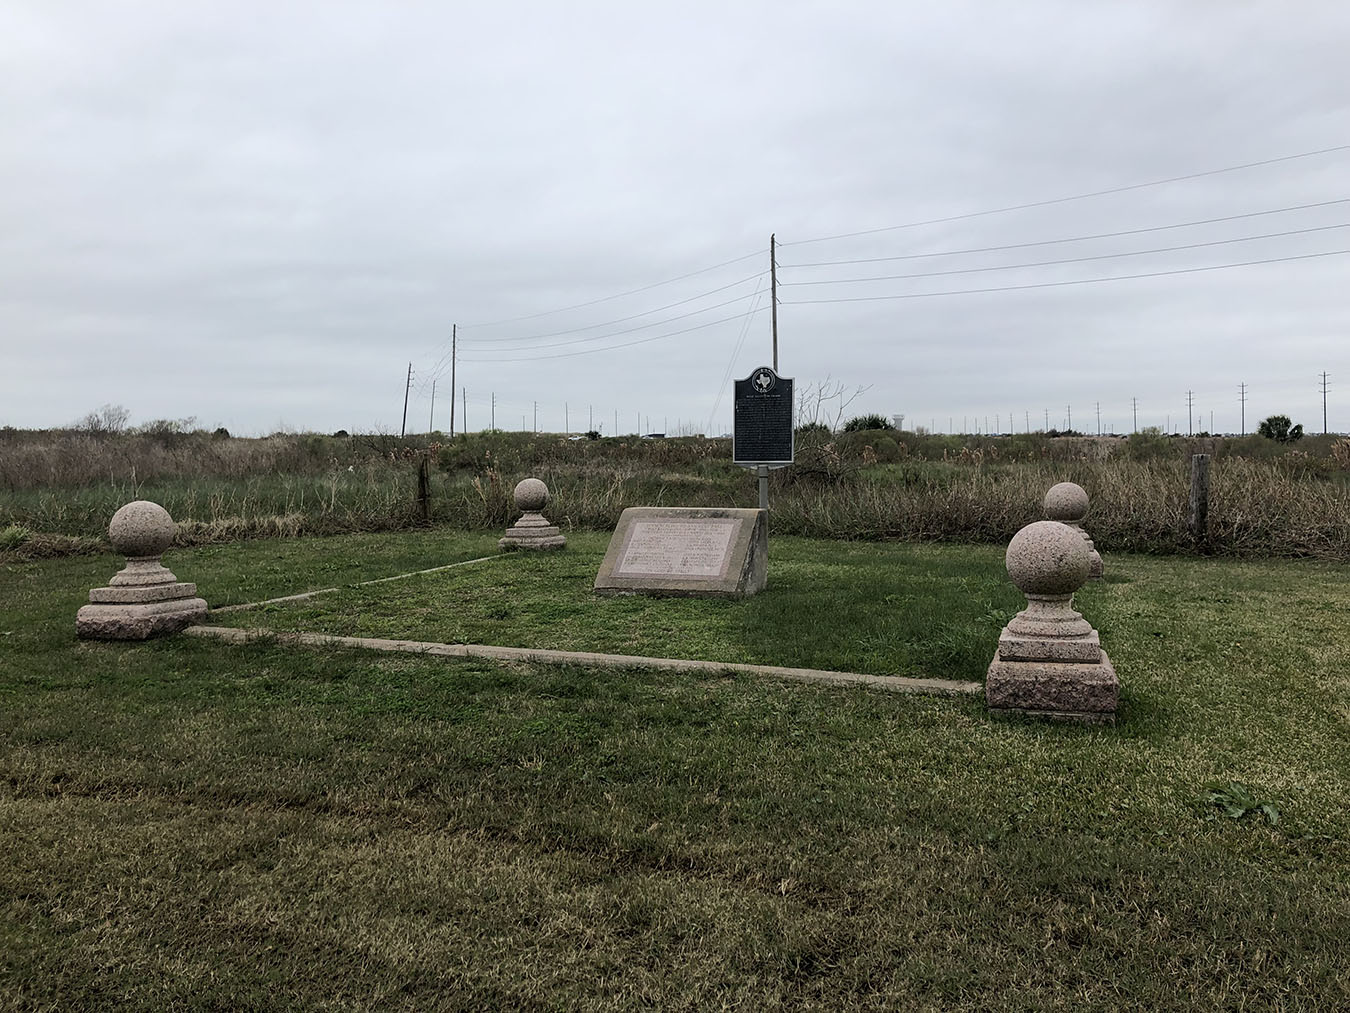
[[141, 529], [1067, 502], [531, 495], [1048, 558]]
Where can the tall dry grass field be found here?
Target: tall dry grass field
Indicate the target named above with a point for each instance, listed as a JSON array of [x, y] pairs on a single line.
[[58, 489]]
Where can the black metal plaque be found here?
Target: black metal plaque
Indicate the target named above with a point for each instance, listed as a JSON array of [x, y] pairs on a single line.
[[762, 433]]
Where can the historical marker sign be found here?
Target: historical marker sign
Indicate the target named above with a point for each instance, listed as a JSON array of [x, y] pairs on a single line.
[[762, 433]]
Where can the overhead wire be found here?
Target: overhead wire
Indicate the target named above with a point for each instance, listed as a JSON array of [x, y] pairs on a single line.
[[626, 344], [1065, 200], [618, 295], [1060, 284], [1066, 239], [1070, 260], [614, 334], [618, 320], [735, 352]]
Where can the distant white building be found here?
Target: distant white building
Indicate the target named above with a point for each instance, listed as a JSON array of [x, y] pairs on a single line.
[[899, 421]]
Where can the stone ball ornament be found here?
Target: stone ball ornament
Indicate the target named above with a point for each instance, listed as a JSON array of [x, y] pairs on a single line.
[[1067, 501], [532, 531], [1048, 558], [531, 495], [144, 598], [141, 529]]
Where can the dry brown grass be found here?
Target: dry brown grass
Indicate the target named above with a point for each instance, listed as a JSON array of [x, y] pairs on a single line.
[[1266, 500]]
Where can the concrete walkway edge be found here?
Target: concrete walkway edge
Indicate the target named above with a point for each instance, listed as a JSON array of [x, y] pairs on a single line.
[[893, 683], [365, 583]]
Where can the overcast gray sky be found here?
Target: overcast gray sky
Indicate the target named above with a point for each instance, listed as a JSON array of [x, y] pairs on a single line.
[[258, 214]]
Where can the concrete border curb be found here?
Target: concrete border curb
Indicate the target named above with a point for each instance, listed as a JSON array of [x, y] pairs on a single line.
[[364, 583], [893, 683]]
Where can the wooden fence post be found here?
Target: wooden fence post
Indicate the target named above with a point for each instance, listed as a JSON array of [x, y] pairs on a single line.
[[1200, 499], [424, 487]]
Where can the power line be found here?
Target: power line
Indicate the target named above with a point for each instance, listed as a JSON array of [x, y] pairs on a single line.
[[1075, 260], [619, 295], [620, 320], [1059, 284], [1074, 197], [626, 344], [735, 353], [1067, 239], [614, 334]]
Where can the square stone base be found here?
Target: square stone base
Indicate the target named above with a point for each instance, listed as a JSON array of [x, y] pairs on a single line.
[[138, 621], [532, 539], [1066, 691]]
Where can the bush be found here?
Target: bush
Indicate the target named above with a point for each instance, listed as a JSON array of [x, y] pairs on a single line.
[[221, 433], [12, 536], [111, 419], [1280, 429], [887, 451], [864, 422], [813, 430]]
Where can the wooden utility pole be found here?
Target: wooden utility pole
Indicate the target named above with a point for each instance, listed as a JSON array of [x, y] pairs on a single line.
[[454, 336], [431, 420], [773, 294], [403, 430], [1324, 403], [464, 403], [1242, 402]]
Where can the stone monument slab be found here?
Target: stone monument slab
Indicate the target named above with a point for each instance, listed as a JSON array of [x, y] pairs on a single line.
[[701, 552]]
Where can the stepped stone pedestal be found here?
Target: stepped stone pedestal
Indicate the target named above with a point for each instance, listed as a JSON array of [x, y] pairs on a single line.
[[532, 531], [1050, 660], [144, 599], [1067, 503]]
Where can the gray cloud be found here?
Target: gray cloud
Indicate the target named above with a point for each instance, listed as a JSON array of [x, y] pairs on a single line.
[[259, 214]]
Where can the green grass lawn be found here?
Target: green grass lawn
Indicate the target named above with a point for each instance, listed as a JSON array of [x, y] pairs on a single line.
[[881, 609], [190, 825]]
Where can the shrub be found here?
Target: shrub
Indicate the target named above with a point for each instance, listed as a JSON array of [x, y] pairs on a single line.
[[813, 430], [860, 423], [221, 433], [886, 450], [1280, 429], [13, 535]]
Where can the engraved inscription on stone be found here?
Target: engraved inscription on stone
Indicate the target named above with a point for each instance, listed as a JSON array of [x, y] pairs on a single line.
[[695, 548]]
